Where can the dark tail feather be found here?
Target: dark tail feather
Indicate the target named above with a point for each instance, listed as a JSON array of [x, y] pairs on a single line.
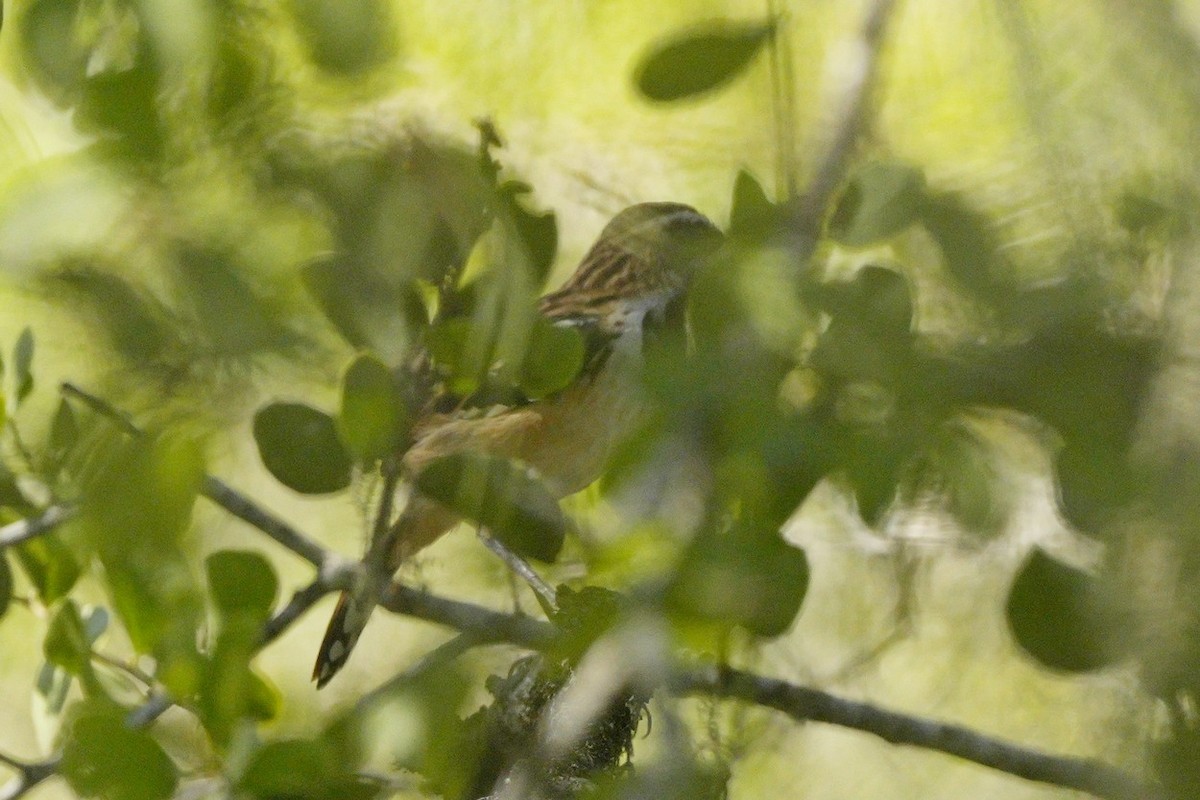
[[349, 619]]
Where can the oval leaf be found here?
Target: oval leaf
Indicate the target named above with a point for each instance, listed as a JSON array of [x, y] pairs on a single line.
[[374, 420], [554, 357], [880, 200], [503, 497], [241, 581], [749, 578], [698, 60], [23, 364], [299, 445], [1060, 617], [103, 757]]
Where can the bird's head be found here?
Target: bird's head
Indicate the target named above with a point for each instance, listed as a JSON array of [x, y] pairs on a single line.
[[642, 260]]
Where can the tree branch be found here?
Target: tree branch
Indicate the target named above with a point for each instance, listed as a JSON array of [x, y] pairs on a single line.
[[805, 704], [31, 527], [247, 510]]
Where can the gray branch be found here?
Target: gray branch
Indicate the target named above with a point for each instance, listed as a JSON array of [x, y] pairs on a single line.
[[31, 527]]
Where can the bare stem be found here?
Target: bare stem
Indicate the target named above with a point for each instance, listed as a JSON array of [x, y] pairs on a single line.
[[31, 527], [805, 704], [247, 510], [545, 592]]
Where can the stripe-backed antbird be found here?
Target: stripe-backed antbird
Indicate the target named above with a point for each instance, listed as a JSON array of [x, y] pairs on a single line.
[[632, 279]]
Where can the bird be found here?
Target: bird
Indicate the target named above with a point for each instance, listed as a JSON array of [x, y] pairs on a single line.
[[631, 282]]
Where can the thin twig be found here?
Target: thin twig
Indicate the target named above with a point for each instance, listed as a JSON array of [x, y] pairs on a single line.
[[103, 408], [301, 601], [31, 527], [486, 625], [247, 510], [438, 657], [545, 592], [215, 489], [805, 704]]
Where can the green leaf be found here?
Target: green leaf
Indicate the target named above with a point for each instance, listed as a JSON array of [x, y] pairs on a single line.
[[50, 566], [299, 445], [6, 583], [103, 757], [64, 431], [137, 503], [752, 218], [373, 421], [302, 768], [503, 497], [958, 468], [66, 643], [700, 59], [751, 578], [880, 200], [51, 689], [553, 359], [23, 364], [1061, 616], [349, 37], [230, 692], [241, 581]]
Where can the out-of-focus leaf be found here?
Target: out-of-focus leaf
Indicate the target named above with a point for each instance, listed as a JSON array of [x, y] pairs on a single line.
[[23, 364], [1062, 617], [6, 583], [697, 60], [50, 566], [299, 445], [368, 312], [103, 757], [64, 432], [349, 37], [744, 577], [138, 327], [582, 617], [753, 218], [137, 504], [243, 586], [66, 643], [536, 234], [49, 35], [241, 581], [553, 359], [970, 247], [50, 692], [233, 316], [373, 421], [302, 768], [880, 200], [958, 469], [1137, 212], [121, 108], [503, 497]]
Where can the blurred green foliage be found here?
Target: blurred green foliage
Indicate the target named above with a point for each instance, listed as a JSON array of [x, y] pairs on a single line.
[[206, 234]]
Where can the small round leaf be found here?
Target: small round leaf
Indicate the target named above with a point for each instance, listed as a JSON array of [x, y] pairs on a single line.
[[1059, 615], [299, 445], [241, 581], [373, 421]]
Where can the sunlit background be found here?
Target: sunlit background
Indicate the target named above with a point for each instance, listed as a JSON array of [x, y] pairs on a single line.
[[193, 260]]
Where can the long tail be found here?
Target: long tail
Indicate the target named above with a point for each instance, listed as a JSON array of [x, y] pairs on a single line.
[[421, 523], [349, 619]]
